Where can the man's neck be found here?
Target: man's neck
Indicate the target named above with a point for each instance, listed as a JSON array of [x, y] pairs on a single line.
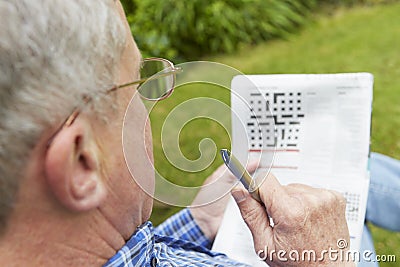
[[37, 240]]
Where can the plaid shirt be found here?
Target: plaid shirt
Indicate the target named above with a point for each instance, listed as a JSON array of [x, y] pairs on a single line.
[[177, 242]]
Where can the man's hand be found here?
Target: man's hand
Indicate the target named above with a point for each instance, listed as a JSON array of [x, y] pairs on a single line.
[[305, 218], [208, 215]]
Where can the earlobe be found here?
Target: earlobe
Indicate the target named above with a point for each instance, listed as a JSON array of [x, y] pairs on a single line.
[[72, 169]]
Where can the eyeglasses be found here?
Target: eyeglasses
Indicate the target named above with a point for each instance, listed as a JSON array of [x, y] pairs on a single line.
[[159, 79], [158, 83]]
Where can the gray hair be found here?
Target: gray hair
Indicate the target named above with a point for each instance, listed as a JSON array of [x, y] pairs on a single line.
[[52, 52]]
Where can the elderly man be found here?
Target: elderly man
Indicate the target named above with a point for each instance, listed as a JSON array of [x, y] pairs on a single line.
[[67, 197]]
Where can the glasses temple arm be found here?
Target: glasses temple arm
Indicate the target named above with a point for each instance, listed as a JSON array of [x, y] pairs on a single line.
[[154, 77]]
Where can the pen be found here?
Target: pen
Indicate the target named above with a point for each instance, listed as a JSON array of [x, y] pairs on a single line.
[[240, 173]]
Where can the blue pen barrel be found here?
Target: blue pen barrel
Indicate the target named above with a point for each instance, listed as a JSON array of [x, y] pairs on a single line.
[[236, 168]]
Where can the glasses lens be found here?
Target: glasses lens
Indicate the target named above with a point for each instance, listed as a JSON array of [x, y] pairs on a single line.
[[160, 79]]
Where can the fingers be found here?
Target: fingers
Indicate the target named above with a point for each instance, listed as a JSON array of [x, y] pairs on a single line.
[[255, 216], [318, 195], [278, 198], [302, 215], [223, 173], [252, 165], [272, 193]]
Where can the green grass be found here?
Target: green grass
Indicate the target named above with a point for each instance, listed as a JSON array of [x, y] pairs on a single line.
[[359, 39]]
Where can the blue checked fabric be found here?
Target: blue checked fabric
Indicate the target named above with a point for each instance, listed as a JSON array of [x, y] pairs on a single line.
[[177, 242]]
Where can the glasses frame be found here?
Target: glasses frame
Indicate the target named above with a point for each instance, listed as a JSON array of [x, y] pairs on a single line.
[[75, 113]]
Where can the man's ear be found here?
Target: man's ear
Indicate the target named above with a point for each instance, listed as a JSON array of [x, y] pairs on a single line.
[[72, 168]]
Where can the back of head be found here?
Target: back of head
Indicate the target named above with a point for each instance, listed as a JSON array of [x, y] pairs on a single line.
[[52, 54]]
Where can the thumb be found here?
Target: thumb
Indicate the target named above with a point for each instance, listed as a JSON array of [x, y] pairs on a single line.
[[255, 216]]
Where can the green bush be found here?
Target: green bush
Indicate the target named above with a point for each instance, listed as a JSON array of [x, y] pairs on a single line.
[[191, 29], [354, 2]]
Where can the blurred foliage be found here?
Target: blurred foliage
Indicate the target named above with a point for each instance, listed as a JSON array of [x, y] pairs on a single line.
[[354, 2], [191, 29], [184, 30]]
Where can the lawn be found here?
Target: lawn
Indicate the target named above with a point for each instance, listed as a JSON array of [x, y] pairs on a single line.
[[358, 39]]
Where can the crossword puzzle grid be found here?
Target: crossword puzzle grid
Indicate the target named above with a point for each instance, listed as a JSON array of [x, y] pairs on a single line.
[[274, 120], [352, 206]]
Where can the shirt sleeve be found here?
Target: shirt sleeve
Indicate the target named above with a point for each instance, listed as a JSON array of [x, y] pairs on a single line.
[[183, 226]]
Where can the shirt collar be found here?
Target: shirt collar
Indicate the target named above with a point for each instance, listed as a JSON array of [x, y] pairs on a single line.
[[138, 249]]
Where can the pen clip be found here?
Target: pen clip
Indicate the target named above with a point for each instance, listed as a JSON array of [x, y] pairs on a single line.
[[235, 167], [240, 173]]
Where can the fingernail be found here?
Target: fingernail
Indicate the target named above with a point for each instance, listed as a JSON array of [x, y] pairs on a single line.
[[238, 195]]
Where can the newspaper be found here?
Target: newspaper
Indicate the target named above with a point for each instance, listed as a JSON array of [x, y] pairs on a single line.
[[317, 129]]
